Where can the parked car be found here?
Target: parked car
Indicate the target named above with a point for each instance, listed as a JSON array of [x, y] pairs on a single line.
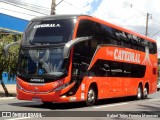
[[158, 86]]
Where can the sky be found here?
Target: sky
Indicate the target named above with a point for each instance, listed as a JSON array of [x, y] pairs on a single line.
[[130, 14]]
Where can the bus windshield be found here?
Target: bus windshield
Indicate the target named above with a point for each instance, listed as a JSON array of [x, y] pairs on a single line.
[[48, 32], [42, 62], [41, 53]]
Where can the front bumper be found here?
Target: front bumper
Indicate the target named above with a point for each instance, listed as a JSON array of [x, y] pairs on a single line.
[[44, 97]]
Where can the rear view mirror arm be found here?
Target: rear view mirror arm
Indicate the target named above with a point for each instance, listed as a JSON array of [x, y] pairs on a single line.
[[71, 43], [6, 48]]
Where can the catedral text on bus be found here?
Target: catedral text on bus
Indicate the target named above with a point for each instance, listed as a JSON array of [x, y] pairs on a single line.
[[71, 58]]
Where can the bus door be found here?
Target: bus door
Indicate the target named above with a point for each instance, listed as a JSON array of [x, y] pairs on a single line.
[[79, 69]]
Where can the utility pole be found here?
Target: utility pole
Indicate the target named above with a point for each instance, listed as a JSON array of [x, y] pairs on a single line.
[[53, 5], [147, 24]]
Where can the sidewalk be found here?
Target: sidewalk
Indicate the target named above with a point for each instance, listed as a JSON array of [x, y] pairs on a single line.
[[10, 87]]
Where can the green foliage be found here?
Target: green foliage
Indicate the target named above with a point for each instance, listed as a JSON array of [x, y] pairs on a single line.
[[9, 63]]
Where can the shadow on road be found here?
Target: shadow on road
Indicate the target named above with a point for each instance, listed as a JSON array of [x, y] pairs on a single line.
[[149, 107], [70, 106], [52, 106]]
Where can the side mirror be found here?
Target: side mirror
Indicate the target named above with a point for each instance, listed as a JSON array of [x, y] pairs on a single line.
[[6, 48], [71, 43]]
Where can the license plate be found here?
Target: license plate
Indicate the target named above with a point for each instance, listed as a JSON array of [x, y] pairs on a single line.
[[36, 99]]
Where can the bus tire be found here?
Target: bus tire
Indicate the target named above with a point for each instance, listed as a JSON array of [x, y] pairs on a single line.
[[139, 93], [145, 93], [91, 96]]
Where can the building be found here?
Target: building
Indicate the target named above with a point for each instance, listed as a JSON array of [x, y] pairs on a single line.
[[10, 24]]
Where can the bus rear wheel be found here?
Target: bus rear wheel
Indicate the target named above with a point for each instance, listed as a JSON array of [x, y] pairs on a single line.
[[91, 96], [139, 93], [145, 93]]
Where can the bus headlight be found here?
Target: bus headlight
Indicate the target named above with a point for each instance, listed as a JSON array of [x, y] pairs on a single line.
[[19, 87], [62, 87]]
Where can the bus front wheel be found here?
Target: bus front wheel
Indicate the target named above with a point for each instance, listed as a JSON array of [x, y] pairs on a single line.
[[91, 96]]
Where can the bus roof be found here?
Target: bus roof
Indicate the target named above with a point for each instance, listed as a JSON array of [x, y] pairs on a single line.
[[117, 27], [56, 17]]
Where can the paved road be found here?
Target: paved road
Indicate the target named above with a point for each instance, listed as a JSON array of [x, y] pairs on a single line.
[[128, 108]]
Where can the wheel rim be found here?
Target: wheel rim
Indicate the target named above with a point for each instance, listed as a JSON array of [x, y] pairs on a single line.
[[139, 95], [145, 92], [91, 97]]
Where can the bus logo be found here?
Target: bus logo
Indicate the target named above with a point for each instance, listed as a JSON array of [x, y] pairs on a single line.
[[36, 80], [126, 56], [47, 25]]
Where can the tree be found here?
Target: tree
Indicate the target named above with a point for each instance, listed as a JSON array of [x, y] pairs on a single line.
[[8, 63]]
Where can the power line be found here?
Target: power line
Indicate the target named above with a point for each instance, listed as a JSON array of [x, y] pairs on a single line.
[[155, 34], [152, 18], [155, 20], [24, 3], [133, 8], [59, 3], [75, 6], [143, 13], [18, 12], [23, 7]]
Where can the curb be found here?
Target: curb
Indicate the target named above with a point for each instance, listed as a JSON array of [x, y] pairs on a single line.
[[7, 98]]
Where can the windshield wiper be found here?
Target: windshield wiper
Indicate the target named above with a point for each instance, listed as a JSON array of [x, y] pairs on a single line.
[[43, 46]]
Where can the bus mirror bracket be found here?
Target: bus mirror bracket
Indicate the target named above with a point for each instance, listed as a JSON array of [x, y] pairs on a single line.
[[71, 43], [6, 48]]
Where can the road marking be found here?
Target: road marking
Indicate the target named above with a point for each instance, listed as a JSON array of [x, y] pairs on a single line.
[[119, 104], [154, 99], [19, 118], [7, 98], [111, 105]]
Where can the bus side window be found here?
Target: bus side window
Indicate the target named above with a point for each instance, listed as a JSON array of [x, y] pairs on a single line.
[[81, 58], [84, 28], [75, 66], [102, 34]]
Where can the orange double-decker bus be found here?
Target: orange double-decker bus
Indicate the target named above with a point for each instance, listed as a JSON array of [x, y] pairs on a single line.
[[71, 58]]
